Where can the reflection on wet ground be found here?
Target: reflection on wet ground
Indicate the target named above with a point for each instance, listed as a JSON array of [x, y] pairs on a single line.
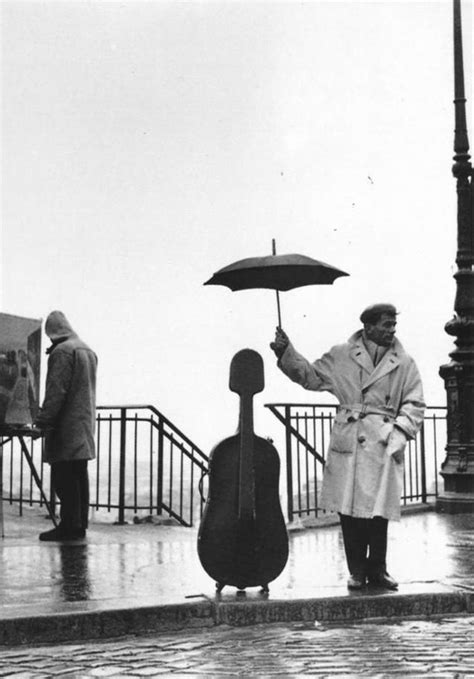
[[159, 564], [75, 582]]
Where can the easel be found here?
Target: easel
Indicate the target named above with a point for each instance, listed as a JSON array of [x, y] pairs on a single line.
[[9, 433]]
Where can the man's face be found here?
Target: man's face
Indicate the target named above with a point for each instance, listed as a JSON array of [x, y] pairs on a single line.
[[383, 331]]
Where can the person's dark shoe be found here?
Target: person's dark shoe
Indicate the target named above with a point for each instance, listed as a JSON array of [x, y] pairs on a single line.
[[59, 535], [356, 582], [383, 580], [53, 535]]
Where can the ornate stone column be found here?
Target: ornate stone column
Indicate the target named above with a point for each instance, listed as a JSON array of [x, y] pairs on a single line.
[[457, 469]]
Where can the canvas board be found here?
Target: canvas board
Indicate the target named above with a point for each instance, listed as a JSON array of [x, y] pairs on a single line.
[[20, 365]]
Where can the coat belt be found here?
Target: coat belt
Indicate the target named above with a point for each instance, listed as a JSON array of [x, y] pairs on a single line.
[[360, 410]]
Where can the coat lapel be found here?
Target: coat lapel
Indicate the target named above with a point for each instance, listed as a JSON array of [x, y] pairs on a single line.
[[389, 362], [360, 354]]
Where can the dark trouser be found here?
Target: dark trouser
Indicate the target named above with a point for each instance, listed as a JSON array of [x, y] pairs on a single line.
[[71, 484], [365, 544]]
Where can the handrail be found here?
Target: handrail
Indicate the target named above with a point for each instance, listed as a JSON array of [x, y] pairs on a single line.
[[162, 417], [328, 405], [272, 407], [167, 490], [156, 425], [143, 462]]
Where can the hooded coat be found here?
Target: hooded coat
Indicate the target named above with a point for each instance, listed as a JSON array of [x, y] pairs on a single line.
[[361, 478], [68, 410]]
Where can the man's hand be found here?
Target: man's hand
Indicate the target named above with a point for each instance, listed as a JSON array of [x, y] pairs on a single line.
[[396, 445], [281, 342]]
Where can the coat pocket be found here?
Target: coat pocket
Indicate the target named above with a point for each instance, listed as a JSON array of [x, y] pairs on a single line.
[[343, 435], [377, 429]]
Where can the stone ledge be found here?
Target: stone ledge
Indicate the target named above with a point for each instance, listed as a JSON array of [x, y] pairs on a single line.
[[469, 602], [343, 609], [80, 626], [107, 624]]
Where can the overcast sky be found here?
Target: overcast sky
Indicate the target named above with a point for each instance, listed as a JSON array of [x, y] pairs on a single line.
[[145, 145]]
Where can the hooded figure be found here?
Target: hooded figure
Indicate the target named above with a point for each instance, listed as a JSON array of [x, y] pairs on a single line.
[[381, 407], [67, 416]]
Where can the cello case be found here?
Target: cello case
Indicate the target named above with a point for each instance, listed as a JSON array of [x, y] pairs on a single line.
[[242, 538]]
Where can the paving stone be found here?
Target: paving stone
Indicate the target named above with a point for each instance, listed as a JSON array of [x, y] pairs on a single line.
[[109, 671], [369, 650]]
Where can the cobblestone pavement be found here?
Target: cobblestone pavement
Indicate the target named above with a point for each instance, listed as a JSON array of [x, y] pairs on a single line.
[[423, 648]]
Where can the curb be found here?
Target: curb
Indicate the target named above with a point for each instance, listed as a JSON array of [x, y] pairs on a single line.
[[345, 609], [107, 624]]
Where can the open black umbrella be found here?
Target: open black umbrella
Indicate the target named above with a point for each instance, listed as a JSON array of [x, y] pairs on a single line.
[[275, 272]]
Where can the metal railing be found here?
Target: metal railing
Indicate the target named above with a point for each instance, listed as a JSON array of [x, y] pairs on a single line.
[[307, 432], [144, 464]]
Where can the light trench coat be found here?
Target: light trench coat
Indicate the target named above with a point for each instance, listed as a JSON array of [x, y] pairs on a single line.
[[361, 478]]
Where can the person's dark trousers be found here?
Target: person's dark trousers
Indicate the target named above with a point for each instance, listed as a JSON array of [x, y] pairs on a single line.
[[71, 484], [377, 561], [355, 536], [365, 544]]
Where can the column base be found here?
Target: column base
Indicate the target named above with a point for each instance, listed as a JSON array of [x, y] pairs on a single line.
[[455, 503]]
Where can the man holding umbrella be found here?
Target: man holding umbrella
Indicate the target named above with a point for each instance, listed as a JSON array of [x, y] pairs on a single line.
[[380, 408]]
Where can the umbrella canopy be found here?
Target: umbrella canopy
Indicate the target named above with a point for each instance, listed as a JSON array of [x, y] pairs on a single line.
[[275, 272]]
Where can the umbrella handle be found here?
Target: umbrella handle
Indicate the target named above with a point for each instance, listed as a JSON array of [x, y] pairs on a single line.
[[278, 307], [277, 292]]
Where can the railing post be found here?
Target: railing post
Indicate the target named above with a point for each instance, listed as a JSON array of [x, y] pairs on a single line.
[[423, 462], [52, 493], [289, 468], [123, 434], [159, 498]]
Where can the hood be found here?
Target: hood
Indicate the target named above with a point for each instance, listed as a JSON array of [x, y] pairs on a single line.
[[57, 326]]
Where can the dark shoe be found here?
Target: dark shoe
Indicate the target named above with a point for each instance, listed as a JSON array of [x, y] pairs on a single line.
[[383, 580], [356, 582], [59, 534]]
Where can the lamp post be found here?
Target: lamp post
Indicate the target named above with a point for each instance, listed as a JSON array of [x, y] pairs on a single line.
[[457, 469]]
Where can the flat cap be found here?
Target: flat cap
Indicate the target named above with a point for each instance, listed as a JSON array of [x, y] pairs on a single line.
[[374, 311]]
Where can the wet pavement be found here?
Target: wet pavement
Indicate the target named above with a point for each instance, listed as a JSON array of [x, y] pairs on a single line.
[[438, 648], [146, 578]]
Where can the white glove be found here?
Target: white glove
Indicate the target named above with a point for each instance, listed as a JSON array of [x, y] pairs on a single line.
[[396, 445]]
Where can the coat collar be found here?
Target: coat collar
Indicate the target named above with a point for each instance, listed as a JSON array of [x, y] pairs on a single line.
[[58, 340], [360, 355]]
